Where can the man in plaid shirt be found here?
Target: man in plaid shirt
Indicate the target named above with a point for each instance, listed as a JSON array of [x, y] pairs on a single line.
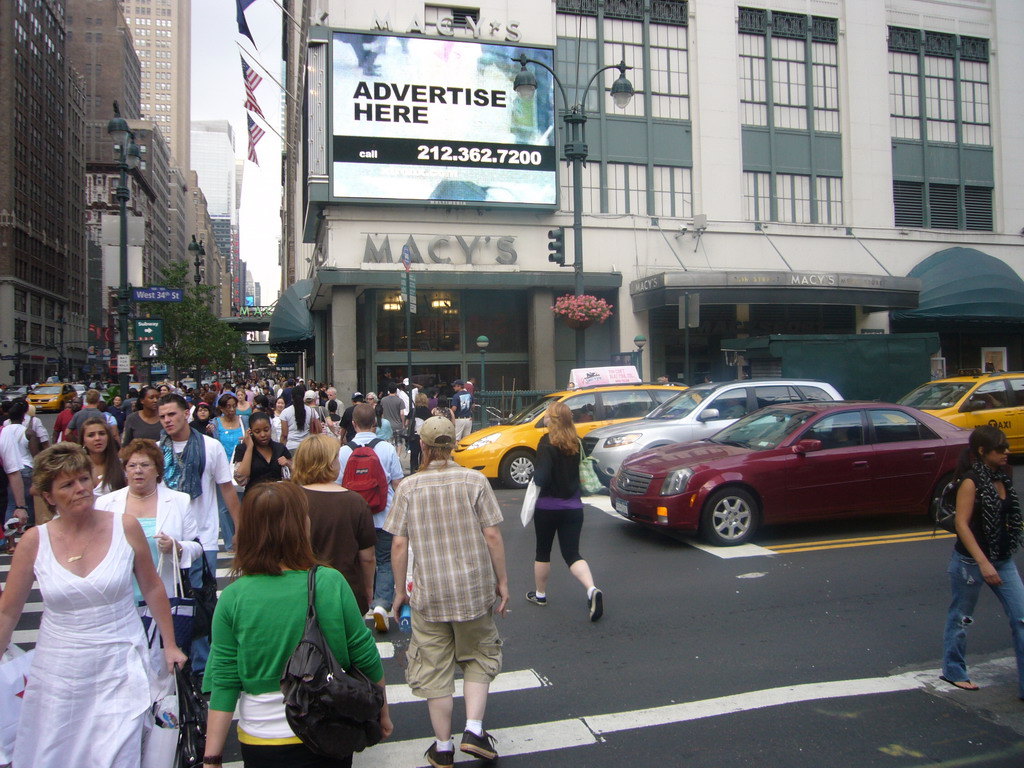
[[450, 517]]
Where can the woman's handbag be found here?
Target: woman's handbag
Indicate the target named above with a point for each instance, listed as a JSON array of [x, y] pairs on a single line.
[[160, 742], [944, 507], [205, 598], [334, 711], [588, 474], [191, 721], [529, 502], [182, 605]]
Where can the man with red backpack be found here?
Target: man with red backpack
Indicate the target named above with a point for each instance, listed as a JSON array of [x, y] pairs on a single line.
[[371, 468]]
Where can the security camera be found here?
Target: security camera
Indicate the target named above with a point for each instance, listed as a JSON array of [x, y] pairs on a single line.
[[682, 231]]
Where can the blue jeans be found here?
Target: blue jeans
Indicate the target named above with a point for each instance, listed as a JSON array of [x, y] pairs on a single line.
[[227, 525], [26, 480], [384, 584], [201, 645], [966, 582]]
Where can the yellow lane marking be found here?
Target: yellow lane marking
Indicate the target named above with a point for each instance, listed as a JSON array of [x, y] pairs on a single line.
[[899, 538]]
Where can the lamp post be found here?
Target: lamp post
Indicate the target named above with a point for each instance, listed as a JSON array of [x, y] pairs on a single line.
[[198, 251], [640, 341], [483, 343], [127, 159], [575, 117]]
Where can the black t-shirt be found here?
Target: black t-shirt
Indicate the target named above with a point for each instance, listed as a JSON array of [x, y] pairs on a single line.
[[261, 470], [557, 473]]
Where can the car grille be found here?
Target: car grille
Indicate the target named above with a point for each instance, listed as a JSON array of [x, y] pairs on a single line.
[[589, 444], [632, 483]]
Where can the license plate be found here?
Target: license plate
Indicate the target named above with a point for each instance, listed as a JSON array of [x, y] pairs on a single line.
[[622, 507]]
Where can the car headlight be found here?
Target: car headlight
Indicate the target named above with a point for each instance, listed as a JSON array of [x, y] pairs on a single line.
[[483, 441], [619, 440], [676, 481]]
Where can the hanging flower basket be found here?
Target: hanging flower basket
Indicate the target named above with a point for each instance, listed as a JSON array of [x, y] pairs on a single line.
[[582, 311]]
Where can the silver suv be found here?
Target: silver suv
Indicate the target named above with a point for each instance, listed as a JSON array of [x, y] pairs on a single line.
[[694, 414]]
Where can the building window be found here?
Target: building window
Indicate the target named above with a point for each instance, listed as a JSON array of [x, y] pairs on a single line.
[[627, 188], [20, 330], [924, 68], [942, 206], [670, 79], [673, 192], [792, 199], [801, 54]]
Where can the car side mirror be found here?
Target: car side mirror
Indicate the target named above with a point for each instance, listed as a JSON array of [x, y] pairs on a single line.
[[709, 414], [806, 446], [974, 404]]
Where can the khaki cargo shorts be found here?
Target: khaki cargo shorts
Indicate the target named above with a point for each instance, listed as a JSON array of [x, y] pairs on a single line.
[[437, 646]]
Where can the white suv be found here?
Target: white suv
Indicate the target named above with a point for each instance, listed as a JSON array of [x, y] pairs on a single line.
[[694, 414]]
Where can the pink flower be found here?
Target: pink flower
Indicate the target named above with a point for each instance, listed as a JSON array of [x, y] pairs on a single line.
[[582, 308]]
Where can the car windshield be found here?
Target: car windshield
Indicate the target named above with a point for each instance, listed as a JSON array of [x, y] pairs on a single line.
[[532, 411], [764, 429], [52, 390], [937, 394], [681, 405]]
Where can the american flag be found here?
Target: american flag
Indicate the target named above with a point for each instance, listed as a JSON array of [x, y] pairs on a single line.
[[252, 78], [251, 105], [255, 134]]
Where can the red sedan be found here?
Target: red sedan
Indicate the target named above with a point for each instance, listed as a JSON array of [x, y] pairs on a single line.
[[787, 463]]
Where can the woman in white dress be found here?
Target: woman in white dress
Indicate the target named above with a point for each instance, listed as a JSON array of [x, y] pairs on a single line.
[[91, 650], [99, 442]]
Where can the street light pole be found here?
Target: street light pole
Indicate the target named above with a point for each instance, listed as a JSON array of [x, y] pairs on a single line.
[[128, 158], [640, 341], [198, 251], [575, 118], [483, 343]]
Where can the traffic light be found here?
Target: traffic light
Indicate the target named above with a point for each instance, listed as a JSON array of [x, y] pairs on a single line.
[[556, 245]]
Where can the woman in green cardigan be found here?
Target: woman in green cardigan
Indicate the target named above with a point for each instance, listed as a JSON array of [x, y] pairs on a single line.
[[258, 623]]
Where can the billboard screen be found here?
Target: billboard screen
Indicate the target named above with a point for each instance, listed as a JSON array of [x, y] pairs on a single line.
[[437, 121]]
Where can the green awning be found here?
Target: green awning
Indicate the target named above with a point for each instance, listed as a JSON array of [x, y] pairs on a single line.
[[966, 284], [291, 325]]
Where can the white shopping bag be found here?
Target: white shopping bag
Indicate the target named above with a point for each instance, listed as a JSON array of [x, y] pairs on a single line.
[[161, 740], [14, 669]]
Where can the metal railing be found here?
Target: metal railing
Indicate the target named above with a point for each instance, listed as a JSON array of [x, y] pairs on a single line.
[[499, 405]]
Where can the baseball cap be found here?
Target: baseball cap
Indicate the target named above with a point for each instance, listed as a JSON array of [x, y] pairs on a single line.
[[357, 395], [310, 396], [458, 383], [438, 432]]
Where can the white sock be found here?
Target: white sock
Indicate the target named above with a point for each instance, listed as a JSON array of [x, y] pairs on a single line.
[[445, 746], [590, 592], [539, 596], [476, 727]]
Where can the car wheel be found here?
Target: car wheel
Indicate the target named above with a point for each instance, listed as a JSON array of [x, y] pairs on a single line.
[[936, 493], [517, 469], [730, 517]]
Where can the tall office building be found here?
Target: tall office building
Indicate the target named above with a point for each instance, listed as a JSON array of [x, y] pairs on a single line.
[[42, 251], [213, 158], [162, 31]]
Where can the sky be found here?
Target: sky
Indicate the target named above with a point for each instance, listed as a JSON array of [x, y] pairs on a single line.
[[218, 94]]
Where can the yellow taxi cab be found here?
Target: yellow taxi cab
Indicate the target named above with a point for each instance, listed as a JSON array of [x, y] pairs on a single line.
[[50, 397], [974, 399], [506, 451]]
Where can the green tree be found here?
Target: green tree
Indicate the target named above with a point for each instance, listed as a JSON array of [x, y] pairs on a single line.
[[193, 336]]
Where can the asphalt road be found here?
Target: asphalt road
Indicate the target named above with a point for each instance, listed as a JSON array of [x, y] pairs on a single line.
[[820, 646]]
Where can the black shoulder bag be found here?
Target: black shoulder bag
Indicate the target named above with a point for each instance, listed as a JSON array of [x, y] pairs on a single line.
[[205, 598], [334, 711]]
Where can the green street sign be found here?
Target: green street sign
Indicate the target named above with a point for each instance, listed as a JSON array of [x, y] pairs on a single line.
[[149, 331]]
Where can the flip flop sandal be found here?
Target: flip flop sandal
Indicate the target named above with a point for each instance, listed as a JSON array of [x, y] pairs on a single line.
[[963, 685]]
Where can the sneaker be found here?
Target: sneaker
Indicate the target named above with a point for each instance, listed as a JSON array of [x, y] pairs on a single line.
[[481, 746], [532, 597], [596, 603], [380, 619], [439, 759]]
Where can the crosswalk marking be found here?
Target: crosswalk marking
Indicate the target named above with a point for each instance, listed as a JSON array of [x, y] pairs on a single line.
[[604, 503], [518, 680]]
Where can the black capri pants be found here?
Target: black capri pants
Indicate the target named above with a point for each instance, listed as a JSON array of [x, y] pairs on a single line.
[[568, 524]]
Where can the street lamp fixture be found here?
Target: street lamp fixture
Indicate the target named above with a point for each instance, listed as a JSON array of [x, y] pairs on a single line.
[[640, 341], [198, 251], [575, 117], [128, 158]]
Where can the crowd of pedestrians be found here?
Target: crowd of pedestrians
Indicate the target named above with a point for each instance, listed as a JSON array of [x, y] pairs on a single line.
[[286, 478]]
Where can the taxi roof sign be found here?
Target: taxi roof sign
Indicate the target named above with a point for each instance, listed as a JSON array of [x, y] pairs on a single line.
[[601, 376]]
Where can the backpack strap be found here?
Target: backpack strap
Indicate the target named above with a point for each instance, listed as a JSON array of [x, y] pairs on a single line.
[[373, 443], [352, 444]]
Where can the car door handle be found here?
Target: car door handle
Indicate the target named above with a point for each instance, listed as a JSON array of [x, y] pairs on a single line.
[[860, 463], [928, 455]]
